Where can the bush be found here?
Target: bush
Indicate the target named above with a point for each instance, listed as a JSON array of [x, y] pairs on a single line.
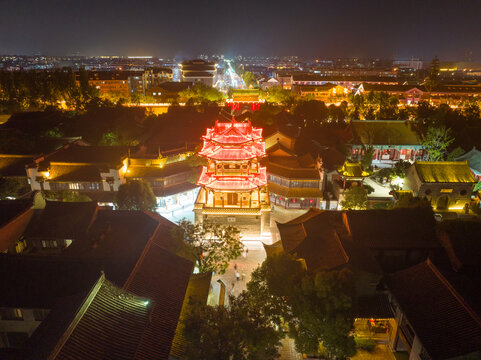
[[365, 344]]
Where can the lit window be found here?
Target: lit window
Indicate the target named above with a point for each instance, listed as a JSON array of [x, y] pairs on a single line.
[[154, 94]]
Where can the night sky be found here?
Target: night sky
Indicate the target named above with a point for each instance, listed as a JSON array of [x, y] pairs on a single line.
[[308, 28]]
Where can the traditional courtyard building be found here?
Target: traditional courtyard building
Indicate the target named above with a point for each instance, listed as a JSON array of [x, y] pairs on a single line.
[[437, 312], [295, 182], [447, 184], [234, 184], [325, 92], [244, 99], [95, 171], [392, 140]]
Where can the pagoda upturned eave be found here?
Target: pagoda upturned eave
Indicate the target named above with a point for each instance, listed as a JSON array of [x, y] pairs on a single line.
[[233, 183], [245, 152], [233, 133]]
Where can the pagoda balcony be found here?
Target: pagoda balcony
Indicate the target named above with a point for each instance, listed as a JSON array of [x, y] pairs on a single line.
[[214, 200], [231, 182]]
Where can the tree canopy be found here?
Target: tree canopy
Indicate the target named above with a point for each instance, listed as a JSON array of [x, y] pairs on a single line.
[[249, 79], [317, 308], [200, 93], [212, 245], [239, 331], [437, 142], [355, 198], [136, 195], [12, 187]]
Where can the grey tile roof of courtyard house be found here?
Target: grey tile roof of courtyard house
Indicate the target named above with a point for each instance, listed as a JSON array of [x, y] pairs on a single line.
[[105, 322]]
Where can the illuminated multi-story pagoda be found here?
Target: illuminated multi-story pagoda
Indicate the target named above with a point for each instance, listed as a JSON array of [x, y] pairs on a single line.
[[234, 184]]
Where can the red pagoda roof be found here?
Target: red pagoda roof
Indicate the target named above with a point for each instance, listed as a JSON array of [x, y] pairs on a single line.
[[233, 132], [245, 152], [245, 182]]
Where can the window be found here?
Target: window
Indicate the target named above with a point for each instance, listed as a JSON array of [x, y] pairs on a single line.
[[58, 186], [447, 191], [49, 244], [154, 93], [11, 314], [73, 186]]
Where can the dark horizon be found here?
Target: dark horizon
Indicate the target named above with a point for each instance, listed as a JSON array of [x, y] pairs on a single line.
[[309, 29]]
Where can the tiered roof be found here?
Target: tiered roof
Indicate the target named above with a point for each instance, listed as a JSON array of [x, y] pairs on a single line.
[[231, 141], [233, 133], [245, 152], [232, 182]]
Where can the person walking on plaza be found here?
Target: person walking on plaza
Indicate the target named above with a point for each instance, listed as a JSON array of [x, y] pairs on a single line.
[[237, 276]]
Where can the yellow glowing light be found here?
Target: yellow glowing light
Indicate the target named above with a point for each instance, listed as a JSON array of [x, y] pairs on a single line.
[[46, 174], [456, 207]]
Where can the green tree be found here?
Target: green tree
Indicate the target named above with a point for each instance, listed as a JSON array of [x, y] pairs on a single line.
[[355, 198], [135, 195], [278, 95], [437, 142], [12, 188], [407, 200], [239, 332], [110, 139], [357, 103], [367, 157], [311, 112], [200, 94], [399, 169], [455, 153], [212, 246], [316, 307], [249, 79], [266, 114], [74, 196]]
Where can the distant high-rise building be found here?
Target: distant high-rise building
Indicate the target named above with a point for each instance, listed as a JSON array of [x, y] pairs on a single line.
[[412, 63]]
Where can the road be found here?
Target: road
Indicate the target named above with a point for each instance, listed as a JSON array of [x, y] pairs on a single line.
[[230, 79]]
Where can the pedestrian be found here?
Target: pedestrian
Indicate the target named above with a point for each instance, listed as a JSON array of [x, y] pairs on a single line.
[[235, 267], [237, 276], [243, 274], [247, 251]]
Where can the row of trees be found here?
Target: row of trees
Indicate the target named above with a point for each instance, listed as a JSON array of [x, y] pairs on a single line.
[[37, 90]]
